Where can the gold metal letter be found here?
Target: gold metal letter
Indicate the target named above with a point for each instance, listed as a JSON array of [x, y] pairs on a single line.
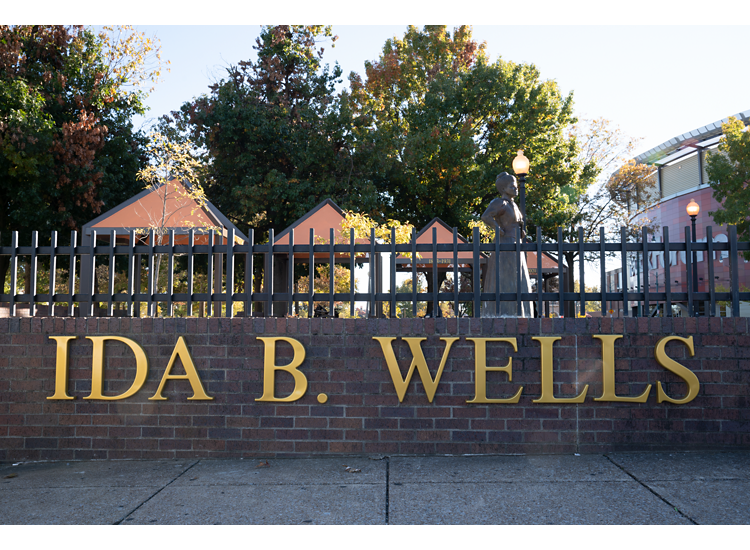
[[270, 367], [97, 367], [61, 367], [608, 372], [418, 360], [680, 370], [481, 368], [548, 391], [191, 374]]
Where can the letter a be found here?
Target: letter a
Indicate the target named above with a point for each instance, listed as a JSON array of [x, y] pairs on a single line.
[[191, 374]]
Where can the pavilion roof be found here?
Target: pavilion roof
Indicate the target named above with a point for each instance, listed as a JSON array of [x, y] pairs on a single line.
[[182, 213]]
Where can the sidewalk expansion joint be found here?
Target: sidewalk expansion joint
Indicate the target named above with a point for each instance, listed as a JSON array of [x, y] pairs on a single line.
[[650, 490], [387, 488], [178, 476]]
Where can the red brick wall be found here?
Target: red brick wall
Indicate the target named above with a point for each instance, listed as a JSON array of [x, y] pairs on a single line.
[[363, 414]]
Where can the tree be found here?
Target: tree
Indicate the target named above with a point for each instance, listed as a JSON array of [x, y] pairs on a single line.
[[729, 176], [436, 122], [276, 137], [67, 146]]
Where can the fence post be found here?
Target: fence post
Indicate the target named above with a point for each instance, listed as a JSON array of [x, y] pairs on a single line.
[[710, 262], [667, 274], [646, 281], [111, 268], [561, 274], [476, 270], [92, 274], [734, 258], [581, 271], [603, 269], [71, 274], [170, 274], [190, 269], [52, 272], [689, 268], [393, 274], [249, 275], [351, 271], [13, 273], [33, 268], [230, 273], [625, 276]]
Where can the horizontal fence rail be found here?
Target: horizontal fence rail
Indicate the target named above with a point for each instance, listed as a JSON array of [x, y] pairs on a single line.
[[261, 280]]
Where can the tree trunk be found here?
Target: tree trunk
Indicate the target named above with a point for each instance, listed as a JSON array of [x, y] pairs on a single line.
[[441, 278]]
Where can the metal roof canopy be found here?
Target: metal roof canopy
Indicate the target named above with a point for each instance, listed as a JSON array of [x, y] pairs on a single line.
[[137, 213], [691, 140]]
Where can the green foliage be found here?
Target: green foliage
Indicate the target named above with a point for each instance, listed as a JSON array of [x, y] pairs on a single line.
[[729, 176], [275, 136], [436, 122], [67, 146]]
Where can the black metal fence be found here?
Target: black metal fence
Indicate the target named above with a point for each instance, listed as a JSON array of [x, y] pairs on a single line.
[[74, 267]]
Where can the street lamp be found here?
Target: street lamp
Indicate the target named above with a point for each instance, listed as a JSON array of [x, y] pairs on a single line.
[[521, 168], [692, 209]]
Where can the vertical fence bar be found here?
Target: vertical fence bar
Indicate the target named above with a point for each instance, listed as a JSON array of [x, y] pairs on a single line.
[[71, 274], [710, 262], [519, 307], [351, 272], [560, 274], [32, 276], [131, 274], [269, 274], [393, 273], [372, 273], [414, 271], [311, 278], [476, 269], [625, 278], [455, 271], [13, 273], [435, 303], [603, 270], [332, 268], [111, 274], [230, 273], [151, 280], [290, 273], [496, 260], [249, 287], [190, 270], [581, 272], [52, 272], [689, 268], [539, 277], [170, 275], [734, 259], [210, 276], [92, 274], [667, 274], [646, 281]]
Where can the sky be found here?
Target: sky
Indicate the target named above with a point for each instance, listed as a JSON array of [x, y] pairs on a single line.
[[654, 82]]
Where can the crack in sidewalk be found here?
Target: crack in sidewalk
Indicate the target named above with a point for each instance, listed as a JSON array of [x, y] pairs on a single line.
[[178, 476], [650, 490]]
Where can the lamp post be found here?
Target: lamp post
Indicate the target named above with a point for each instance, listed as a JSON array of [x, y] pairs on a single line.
[[521, 168], [692, 209]]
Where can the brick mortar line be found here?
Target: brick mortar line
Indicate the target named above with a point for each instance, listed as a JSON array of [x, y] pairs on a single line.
[[650, 490], [118, 522]]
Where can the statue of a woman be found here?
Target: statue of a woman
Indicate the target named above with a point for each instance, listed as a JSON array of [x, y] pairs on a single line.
[[506, 218]]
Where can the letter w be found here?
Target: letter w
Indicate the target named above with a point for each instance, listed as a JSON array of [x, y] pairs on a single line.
[[430, 385]]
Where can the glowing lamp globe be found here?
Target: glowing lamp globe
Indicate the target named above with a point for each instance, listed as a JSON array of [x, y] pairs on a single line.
[[693, 208], [520, 163]]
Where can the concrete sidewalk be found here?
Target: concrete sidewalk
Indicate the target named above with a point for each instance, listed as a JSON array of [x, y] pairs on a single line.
[[619, 488]]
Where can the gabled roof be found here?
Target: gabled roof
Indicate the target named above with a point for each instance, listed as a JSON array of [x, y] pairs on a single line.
[[144, 211], [325, 216]]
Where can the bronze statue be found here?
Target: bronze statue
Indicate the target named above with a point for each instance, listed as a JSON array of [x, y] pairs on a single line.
[[504, 215]]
